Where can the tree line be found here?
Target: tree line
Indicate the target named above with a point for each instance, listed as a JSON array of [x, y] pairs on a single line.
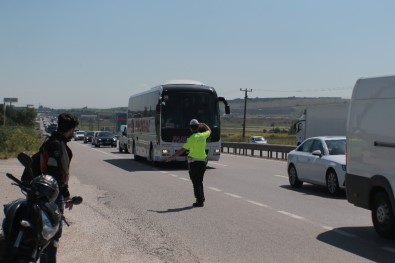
[[18, 116], [19, 133]]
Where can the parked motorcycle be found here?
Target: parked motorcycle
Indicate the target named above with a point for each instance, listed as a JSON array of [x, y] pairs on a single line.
[[30, 223]]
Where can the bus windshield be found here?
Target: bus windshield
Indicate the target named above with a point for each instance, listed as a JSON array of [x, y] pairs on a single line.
[[179, 108]]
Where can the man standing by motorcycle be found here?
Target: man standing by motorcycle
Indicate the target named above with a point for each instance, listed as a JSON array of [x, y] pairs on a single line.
[[55, 157], [197, 158]]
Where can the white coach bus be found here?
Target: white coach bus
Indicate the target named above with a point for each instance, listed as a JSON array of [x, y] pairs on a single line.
[[158, 119]]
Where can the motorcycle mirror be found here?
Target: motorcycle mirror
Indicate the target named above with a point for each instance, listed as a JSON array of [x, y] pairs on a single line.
[[25, 159], [76, 200]]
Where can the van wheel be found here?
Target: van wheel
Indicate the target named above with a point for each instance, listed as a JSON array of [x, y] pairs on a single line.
[[293, 177], [382, 215], [332, 184]]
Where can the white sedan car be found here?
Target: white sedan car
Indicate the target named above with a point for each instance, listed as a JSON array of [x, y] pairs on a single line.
[[320, 161], [257, 139]]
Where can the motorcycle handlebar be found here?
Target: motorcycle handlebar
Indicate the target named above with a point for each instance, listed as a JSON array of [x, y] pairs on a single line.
[[13, 178], [76, 200]]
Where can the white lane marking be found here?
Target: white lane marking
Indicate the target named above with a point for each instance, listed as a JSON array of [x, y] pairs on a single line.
[[256, 157], [341, 232], [183, 178], [282, 176], [389, 249], [214, 189], [344, 233], [291, 215], [257, 203], [103, 152], [233, 195], [220, 164], [280, 211]]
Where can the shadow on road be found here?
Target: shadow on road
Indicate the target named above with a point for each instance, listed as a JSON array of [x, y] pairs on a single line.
[[172, 210], [132, 165], [361, 241], [309, 189]]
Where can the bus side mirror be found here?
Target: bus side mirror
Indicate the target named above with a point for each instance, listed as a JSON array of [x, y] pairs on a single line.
[[227, 109]]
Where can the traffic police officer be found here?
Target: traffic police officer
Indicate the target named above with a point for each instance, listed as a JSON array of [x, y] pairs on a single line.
[[197, 158]]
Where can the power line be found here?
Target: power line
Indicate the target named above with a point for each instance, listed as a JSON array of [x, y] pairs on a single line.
[[306, 90]]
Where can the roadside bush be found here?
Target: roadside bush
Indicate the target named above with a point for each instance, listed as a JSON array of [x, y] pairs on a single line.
[[16, 139]]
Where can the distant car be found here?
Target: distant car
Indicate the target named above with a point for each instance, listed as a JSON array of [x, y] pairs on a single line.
[[88, 136], [79, 135], [104, 138], [257, 139], [95, 133], [320, 161]]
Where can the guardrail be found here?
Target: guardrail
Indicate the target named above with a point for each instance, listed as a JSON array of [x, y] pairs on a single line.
[[270, 151]]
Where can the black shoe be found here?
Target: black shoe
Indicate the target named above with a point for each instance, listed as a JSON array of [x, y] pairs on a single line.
[[198, 204]]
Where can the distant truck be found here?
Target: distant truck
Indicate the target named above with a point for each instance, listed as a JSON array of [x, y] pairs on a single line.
[[120, 119], [322, 120], [370, 174], [123, 139]]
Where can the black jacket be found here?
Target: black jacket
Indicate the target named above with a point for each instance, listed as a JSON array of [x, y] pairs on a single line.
[[55, 160]]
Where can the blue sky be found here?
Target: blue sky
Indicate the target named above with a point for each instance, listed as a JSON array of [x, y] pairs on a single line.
[[95, 53]]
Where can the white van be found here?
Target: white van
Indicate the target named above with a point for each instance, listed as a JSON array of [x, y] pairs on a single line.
[[123, 139], [370, 176]]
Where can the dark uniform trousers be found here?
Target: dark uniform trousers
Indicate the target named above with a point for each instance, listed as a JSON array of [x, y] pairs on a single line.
[[196, 173]]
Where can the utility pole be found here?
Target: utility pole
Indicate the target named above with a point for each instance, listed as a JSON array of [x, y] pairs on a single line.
[[245, 109]]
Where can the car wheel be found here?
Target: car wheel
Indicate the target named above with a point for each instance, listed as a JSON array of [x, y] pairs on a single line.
[[332, 184], [382, 215], [293, 177]]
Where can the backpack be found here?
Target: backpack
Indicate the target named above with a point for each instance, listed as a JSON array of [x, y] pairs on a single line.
[[36, 167]]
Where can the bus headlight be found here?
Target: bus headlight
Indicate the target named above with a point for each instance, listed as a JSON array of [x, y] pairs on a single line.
[[217, 152], [165, 152]]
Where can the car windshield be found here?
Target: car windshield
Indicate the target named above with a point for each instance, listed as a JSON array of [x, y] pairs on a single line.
[[89, 133], [336, 147], [80, 132], [105, 134]]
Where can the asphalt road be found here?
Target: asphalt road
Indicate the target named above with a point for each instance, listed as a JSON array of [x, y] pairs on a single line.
[[133, 212]]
